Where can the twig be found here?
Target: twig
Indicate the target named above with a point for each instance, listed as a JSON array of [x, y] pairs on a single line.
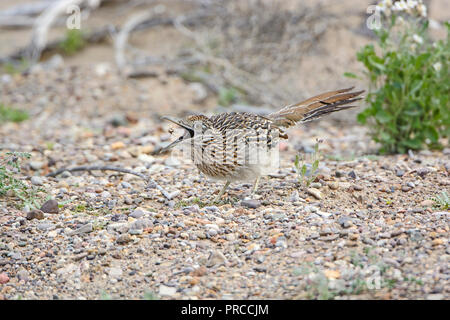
[[150, 181], [26, 9], [143, 21], [121, 39], [237, 77]]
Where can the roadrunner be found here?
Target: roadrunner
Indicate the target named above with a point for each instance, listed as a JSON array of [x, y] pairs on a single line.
[[244, 146]]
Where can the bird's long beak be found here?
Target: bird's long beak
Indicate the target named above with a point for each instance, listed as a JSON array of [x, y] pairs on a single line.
[[180, 139], [176, 121], [170, 146]]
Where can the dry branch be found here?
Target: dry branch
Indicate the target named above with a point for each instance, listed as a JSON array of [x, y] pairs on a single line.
[[96, 36], [150, 181]]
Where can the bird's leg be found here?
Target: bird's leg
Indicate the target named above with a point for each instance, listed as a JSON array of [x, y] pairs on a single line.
[[217, 199], [255, 186]]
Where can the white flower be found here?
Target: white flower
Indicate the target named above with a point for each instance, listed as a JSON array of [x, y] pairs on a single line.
[[400, 6], [437, 66], [422, 10], [412, 3], [418, 39]]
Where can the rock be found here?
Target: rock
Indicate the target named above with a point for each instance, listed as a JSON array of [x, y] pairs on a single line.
[[252, 204], [15, 255], [50, 206], [66, 174], [118, 217], [199, 272], [316, 185], [332, 274], [115, 272], [333, 185], [339, 174], [345, 222], [400, 173], [138, 213], [422, 172], [315, 193], [105, 194], [216, 258], [123, 239], [294, 196], [35, 214], [324, 214], [406, 188], [117, 145], [83, 229], [352, 174], [45, 226], [37, 181], [437, 242], [427, 203], [22, 275], [80, 256], [4, 278], [36, 165], [52, 234], [330, 237], [167, 291], [141, 224], [125, 185], [435, 296]]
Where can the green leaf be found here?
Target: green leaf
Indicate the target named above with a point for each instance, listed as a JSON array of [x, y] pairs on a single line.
[[431, 133], [383, 117], [304, 170], [376, 63], [350, 75]]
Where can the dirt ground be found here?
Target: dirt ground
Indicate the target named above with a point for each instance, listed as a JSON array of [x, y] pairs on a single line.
[[369, 229]]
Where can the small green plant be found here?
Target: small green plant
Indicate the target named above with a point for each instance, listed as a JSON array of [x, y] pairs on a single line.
[[11, 185], [149, 295], [105, 295], [73, 42], [16, 67], [9, 114], [409, 76], [442, 201], [307, 177], [227, 96], [50, 145], [190, 202]]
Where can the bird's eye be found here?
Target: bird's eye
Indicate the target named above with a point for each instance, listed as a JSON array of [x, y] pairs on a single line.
[[171, 130]]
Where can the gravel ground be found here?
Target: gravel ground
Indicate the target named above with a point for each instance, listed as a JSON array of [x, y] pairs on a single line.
[[365, 229]]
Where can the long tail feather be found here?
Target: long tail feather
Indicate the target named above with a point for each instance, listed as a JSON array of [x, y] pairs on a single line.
[[315, 107]]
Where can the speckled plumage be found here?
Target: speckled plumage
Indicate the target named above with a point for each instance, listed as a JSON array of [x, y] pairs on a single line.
[[244, 146]]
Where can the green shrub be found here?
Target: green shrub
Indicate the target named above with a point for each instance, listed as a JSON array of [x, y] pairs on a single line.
[[305, 177], [10, 182], [408, 98]]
